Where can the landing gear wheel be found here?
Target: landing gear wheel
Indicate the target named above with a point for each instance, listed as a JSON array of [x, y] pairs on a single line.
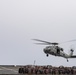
[[47, 55]]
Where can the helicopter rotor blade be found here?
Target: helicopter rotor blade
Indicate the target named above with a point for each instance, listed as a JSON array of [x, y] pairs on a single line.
[[71, 40], [68, 41], [42, 41], [49, 43], [45, 42]]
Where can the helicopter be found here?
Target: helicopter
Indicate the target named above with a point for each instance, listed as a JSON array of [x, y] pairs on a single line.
[[55, 50]]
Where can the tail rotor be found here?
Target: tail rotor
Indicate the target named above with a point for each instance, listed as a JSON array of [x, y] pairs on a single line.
[[72, 48]]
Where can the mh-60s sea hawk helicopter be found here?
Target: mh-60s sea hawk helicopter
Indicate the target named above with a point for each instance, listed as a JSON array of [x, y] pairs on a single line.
[[55, 50]]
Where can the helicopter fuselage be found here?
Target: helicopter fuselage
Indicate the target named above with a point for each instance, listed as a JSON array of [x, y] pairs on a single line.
[[56, 51]]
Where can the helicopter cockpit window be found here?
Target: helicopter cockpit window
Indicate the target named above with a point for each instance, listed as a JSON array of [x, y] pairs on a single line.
[[48, 47]]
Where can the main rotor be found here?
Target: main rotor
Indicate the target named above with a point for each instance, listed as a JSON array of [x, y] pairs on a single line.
[[46, 42], [50, 43]]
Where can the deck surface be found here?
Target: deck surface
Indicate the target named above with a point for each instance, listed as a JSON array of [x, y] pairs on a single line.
[[8, 70]]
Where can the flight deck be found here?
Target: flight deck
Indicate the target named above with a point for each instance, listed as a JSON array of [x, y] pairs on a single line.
[[6, 69], [36, 70]]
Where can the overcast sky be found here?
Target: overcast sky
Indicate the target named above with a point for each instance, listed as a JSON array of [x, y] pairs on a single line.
[[23, 20]]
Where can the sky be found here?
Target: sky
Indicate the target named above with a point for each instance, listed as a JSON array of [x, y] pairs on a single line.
[[24, 20]]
